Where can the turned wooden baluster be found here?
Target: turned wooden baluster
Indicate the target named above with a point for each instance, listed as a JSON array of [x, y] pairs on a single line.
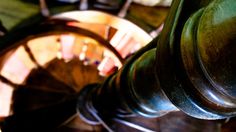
[[192, 68]]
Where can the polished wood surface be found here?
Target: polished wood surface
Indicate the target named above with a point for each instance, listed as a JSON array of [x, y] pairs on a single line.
[[73, 75]]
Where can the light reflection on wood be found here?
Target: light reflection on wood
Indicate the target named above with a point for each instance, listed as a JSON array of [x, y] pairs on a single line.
[[17, 66], [66, 46], [96, 17], [44, 49], [5, 99], [100, 29]]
